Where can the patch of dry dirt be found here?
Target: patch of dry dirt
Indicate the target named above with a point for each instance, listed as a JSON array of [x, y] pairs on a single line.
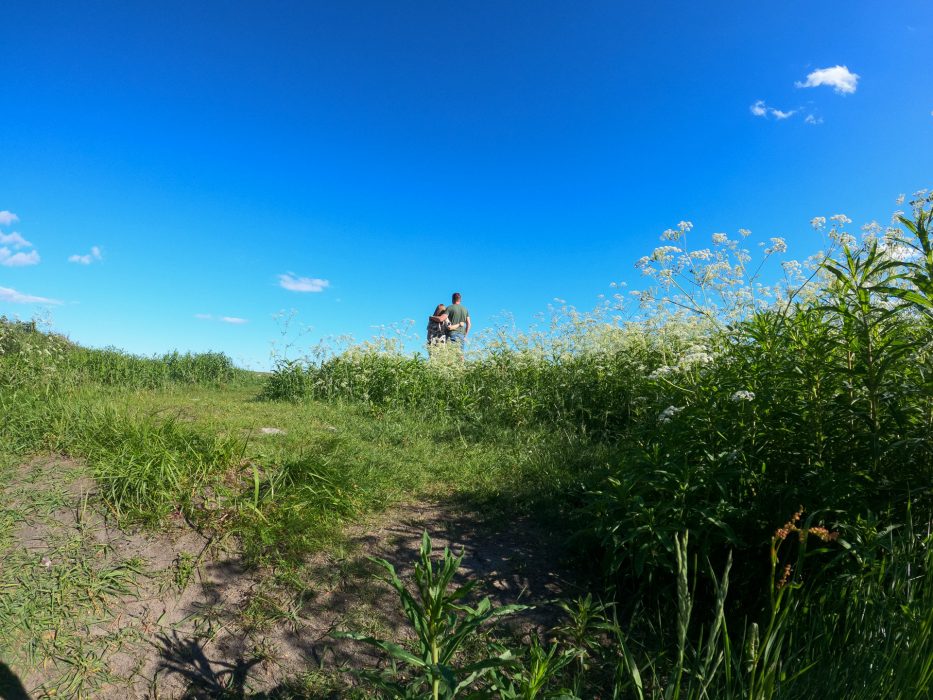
[[204, 623]]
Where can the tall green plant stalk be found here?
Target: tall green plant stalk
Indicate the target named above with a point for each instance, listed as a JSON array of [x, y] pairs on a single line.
[[443, 623]]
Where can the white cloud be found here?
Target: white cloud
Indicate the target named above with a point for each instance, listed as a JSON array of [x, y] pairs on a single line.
[[760, 109], [223, 319], [302, 284], [839, 78], [11, 259], [7, 257], [15, 240], [14, 297], [813, 119], [778, 114], [87, 259]]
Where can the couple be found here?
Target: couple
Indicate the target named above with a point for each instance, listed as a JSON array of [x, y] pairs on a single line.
[[450, 323]]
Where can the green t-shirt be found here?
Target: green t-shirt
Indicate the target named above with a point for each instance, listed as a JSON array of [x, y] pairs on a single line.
[[457, 313]]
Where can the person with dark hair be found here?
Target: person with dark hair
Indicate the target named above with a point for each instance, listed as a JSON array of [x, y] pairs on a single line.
[[459, 317], [438, 326]]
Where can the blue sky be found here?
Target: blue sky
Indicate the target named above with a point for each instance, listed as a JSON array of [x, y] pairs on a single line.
[[185, 156]]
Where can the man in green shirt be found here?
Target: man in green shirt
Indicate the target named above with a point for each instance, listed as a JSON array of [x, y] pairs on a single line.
[[459, 318]]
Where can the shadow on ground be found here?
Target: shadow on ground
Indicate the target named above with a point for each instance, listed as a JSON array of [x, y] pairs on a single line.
[[11, 688], [199, 623], [515, 563]]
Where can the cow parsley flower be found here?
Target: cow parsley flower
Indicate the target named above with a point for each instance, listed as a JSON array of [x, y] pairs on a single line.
[[778, 245], [664, 253], [743, 396], [668, 413]]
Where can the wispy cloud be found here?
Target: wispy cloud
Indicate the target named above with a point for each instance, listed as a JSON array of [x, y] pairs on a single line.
[[10, 259], [87, 259], [14, 297], [839, 78], [302, 284], [7, 257], [760, 109], [15, 240], [778, 114], [235, 320], [813, 119]]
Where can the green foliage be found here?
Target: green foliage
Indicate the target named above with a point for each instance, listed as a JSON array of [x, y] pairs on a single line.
[[865, 634], [592, 391], [443, 623], [50, 596], [31, 358]]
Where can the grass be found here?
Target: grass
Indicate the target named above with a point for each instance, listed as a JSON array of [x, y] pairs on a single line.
[[53, 595], [198, 452], [151, 449], [666, 448]]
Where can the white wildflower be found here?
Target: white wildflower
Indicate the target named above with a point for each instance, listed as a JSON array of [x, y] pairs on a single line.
[[668, 413], [843, 238], [696, 355], [901, 252], [743, 396], [778, 245], [818, 222], [720, 238], [792, 268], [661, 372], [664, 253]]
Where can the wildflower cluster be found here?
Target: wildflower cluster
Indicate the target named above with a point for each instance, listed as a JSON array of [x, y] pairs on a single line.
[[719, 282]]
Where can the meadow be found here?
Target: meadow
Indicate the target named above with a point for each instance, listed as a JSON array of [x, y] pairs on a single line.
[[738, 473]]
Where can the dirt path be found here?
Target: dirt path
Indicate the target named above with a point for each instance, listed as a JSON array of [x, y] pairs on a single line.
[[185, 618]]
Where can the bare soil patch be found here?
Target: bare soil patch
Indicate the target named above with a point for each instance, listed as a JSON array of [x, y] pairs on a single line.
[[199, 623]]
